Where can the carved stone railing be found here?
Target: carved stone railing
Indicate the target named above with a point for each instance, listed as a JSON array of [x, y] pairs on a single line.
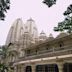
[[50, 52], [54, 52]]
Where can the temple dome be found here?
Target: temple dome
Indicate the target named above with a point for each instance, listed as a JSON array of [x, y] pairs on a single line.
[[62, 35], [42, 36], [50, 37]]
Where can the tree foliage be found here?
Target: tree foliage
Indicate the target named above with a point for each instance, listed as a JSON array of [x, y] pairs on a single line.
[[69, 10], [4, 67], [3, 52], [66, 25], [49, 3], [4, 6], [3, 55]]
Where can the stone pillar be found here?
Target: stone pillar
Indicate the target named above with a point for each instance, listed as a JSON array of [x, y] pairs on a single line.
[[60, 65], [18, 68], [33, 67], [15, 69], [23, 68]]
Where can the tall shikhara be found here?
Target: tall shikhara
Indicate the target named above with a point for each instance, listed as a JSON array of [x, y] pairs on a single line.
[[15, 31], [19, 29]]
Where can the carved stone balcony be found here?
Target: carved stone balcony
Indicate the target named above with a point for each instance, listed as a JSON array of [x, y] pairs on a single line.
[[53, 52]]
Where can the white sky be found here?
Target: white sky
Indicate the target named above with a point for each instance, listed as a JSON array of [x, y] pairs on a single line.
[[45, 18]]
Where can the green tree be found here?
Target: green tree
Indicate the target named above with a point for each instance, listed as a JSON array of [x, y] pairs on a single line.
[[3, 54], [4, 6], [69, 10], [49, 3], [3, 68], [66, 25]]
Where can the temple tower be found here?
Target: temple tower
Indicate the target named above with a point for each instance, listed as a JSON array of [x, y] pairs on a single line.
[[16, 30]]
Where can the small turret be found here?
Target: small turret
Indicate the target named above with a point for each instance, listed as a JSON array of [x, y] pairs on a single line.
[[42, 36], [30, 19], [50, 37]]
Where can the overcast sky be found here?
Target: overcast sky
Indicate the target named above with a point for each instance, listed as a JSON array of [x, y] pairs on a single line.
[[45, 18]]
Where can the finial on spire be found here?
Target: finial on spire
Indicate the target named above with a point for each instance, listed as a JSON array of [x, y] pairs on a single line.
[[50, 35], [42, 32], [30, 19]]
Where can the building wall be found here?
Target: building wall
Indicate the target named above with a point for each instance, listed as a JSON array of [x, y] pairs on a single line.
[[59, 55], [23, 51]]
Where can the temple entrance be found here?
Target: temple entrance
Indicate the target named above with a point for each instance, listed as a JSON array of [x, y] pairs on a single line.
[[67, 67], [47, 68], [28, 69]]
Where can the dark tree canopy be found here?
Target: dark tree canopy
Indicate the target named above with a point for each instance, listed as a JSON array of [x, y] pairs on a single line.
[[49, 3], [66, 25], [4, 67], [69, 10], [3, 52], [4, 6]]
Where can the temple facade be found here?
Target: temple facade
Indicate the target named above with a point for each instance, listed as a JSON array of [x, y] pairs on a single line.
[[29, 51]]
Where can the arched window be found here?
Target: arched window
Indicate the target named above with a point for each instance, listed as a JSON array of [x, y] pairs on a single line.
[[61, 44]]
